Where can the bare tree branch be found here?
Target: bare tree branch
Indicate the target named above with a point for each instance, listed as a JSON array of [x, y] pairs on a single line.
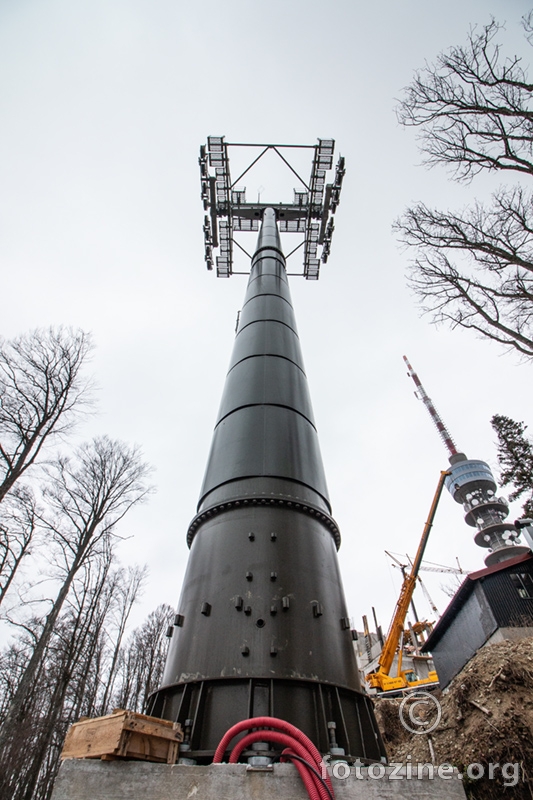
[[88, 495], [18, 523], [474, 108], [41, 391], [474, 269], [143, 660]]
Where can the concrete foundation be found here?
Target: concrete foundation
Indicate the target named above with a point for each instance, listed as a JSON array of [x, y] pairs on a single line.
[[136, 780], [510, 634]]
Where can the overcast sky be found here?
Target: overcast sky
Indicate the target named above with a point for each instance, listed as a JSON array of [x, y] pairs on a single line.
[[104, 105]]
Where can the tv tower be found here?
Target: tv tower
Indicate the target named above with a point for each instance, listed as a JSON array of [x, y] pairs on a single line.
[[472, 484], [262, 627]]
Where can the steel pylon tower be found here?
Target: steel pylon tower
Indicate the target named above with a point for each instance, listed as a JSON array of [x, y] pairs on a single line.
[[472, 484], [262, 626]]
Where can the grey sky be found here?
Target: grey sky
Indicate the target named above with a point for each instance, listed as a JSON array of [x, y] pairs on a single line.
[[103, 107]]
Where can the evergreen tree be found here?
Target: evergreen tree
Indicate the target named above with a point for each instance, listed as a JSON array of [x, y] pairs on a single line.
[[515, 456]]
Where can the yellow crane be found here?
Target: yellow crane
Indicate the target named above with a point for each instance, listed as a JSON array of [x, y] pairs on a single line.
[[381, 678]]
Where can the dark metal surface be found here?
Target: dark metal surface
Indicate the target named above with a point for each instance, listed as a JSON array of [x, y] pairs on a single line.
[[485, 602], [242, 449], [471, 628], [515, 565], [265, 425], [510, 609], [273, 380], [272, 489], [304, 559], [269, 339], [214, 706], [262, 612]]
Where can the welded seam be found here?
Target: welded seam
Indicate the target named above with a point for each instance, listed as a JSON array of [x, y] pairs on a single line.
[[268, 319], [282, 264], [266, 355], [260, 255], [270, 405], [276, 276], [267, 294]]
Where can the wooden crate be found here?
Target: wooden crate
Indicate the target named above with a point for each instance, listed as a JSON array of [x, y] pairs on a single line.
[[124, 734]]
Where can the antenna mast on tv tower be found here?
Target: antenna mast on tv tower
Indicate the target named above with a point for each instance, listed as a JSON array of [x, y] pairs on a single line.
[[472, 484]]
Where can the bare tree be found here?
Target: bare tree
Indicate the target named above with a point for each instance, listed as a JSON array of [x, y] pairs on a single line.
[[474, 112], [88, 495], [67, 669], [66, 662], [18, 523], [129, 585], [12, 662], [143, 660], [76, 671], [41, 389]]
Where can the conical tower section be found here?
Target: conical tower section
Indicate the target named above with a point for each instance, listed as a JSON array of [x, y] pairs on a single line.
[[262, 626], [265, 444]]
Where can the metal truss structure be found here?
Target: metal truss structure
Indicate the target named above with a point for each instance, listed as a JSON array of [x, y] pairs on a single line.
[[310, 213]]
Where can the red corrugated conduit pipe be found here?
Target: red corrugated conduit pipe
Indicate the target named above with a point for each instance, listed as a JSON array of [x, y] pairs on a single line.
[[298, 748]]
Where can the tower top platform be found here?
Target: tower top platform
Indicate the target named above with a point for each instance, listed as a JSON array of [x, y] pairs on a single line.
[[310, 213]]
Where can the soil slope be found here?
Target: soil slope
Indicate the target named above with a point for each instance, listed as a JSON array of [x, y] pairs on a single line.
[[487, 717]]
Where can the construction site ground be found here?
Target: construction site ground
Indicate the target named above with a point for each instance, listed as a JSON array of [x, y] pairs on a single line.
[[487, 718]]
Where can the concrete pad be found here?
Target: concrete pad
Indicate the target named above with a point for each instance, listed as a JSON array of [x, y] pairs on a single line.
[[81, 779]]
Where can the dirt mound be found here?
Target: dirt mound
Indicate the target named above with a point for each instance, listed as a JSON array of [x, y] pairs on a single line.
[[487, 718]]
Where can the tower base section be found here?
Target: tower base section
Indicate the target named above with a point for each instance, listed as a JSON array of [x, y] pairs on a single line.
[[207, 709], [130, 780]]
